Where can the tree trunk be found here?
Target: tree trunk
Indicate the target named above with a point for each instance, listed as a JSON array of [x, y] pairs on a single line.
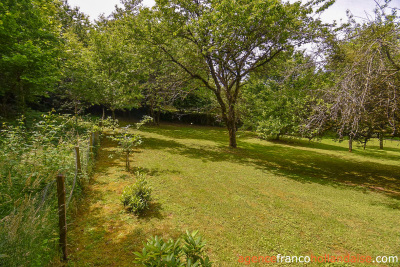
[[21, 98], [113, 113], [381, 140], [127, 162], [104, 114], [158, 117], [4, 99], [350, 143], [232, 135], [152, 111], [231, 125]]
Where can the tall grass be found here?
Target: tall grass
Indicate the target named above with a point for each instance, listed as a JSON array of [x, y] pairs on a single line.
[[30, 158]]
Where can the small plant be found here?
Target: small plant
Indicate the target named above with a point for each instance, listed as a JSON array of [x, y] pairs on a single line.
[[159, 253], [128, 141], [137, 197]]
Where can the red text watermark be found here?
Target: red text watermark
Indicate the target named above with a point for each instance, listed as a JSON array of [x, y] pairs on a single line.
[[327, 258]]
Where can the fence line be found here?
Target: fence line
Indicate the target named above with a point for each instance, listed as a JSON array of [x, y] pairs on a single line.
[[62, 215], [94, 139], [78, 166]]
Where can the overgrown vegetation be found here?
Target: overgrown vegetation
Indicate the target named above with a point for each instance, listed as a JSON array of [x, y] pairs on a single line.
[[31, 155]]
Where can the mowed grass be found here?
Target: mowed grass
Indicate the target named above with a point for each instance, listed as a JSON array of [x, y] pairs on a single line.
[[291, 197]]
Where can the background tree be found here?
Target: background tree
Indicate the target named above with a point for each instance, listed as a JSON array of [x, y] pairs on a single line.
[[77, 89], [365, 98], [29, 51], [161, 82], [115, 66], [278, 101]]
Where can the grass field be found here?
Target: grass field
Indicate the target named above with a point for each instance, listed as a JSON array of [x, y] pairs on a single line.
[[291, 197]]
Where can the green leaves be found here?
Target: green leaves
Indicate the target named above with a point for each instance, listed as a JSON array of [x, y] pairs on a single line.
[[29, 49], [158, 252], [129, 141], [137, 197], [276, 101], [220, 43]]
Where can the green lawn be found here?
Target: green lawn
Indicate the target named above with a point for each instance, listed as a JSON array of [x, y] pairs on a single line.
[[291, 197]]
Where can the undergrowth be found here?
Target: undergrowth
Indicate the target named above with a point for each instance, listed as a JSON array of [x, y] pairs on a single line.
[[30, 159]]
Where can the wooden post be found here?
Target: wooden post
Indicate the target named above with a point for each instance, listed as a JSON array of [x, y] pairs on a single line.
[[91, 143], [62, 215], [96, 138], [127, 164], [78, 160]]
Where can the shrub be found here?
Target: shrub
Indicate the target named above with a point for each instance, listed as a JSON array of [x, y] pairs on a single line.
[[159, 253], [137, 197]]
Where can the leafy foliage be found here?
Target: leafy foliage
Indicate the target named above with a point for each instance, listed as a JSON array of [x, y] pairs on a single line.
[[29, 51], [137, 197], [219, 43], [160, 253], [364, 98], [31, 155], [129, 141], [278, 101]]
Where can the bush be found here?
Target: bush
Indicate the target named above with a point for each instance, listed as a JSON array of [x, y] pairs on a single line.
[[137, 197], [159, 253]]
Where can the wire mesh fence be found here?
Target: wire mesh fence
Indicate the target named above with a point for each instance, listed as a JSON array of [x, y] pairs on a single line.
[[29, 232]]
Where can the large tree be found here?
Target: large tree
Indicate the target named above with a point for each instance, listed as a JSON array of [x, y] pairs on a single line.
[[77, 87], [221, 42], [115, 66]]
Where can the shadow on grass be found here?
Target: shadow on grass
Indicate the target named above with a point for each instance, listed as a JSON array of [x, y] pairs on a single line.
[[153, 172], [103, 156], [358, 149], [286, 159], [296, 142], [216, 134], [154, 211]]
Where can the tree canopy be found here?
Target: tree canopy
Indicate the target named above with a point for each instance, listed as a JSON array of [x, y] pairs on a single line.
[[242, 59], [221, 42], [29, 50]]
